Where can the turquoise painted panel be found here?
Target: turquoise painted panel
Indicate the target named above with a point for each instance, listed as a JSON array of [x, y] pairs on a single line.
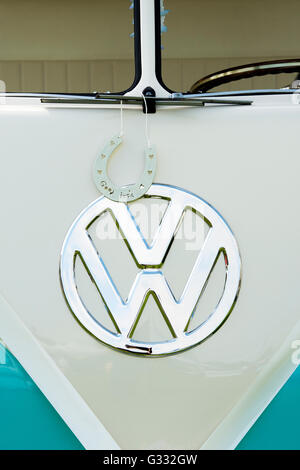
[[28, 420], [278, 425]]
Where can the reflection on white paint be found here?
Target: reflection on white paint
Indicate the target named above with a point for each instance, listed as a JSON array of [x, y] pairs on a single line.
[[2, 90], [2, 354]]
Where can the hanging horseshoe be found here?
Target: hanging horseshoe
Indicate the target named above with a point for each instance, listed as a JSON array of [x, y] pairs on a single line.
[[130, 192]]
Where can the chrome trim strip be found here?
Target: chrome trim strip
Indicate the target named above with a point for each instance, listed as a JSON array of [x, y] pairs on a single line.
[[263, 91]]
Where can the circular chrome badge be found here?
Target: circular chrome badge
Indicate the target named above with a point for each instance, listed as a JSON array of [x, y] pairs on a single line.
[[150, 259]]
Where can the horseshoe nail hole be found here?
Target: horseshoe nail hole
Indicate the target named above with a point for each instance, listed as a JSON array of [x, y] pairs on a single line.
[[99, 171], [149, 171], [103, 155], [151, 155]]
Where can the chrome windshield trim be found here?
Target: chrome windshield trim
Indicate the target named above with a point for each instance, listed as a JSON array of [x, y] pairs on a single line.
[[38, 95], [266, 91]]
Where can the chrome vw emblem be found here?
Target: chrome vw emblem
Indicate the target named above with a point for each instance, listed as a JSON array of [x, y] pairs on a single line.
[[150, 279]]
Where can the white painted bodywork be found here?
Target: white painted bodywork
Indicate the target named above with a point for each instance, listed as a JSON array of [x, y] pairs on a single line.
[[241, 159], [148, 76]]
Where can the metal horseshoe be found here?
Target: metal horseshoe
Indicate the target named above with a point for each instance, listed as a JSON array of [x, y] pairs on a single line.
[[130, 192]]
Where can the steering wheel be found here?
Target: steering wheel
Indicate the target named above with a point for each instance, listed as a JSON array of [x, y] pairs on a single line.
[[245, 71]]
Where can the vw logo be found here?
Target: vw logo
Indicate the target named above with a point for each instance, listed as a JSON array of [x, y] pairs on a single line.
[[150, 279]]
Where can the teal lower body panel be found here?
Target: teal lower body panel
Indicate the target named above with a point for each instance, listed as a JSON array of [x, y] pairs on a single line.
[[278, 426], [28, 420]]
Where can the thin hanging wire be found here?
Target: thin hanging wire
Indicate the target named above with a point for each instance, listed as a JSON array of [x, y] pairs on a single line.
[[146, 123], [121, 120]]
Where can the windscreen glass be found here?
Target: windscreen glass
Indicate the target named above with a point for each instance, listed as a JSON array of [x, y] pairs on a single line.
[[200, 37], [70, 46]]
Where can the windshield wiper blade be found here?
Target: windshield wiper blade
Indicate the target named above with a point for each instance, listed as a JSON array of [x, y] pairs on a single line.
[[173, 100]]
